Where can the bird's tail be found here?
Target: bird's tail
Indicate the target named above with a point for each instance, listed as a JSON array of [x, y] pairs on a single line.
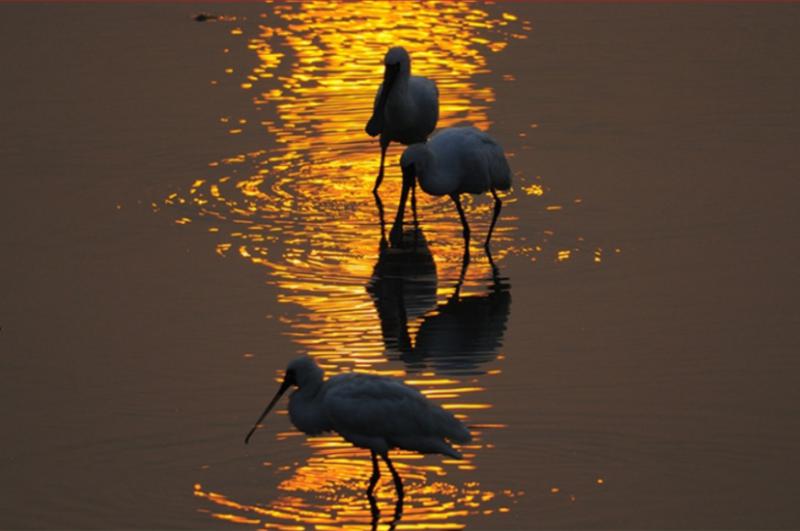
[[451, 452], [499, 171], [454, 430]]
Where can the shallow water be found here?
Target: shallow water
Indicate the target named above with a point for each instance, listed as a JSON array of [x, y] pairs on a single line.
[[192, 208]]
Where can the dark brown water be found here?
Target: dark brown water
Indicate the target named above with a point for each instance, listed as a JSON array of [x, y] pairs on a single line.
[[187, 207]]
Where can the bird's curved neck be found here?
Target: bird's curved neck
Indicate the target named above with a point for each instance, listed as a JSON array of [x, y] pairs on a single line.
[[305, 409], [427, 169]]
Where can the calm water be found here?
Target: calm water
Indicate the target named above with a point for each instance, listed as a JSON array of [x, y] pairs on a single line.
[[188, 207]]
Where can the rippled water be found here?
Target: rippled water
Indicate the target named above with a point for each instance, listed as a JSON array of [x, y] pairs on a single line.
[[188, 206], [305, 213]]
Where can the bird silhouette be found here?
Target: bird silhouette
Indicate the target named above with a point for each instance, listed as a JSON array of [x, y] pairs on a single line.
[[373, 412], [455, 161], [406, 107]]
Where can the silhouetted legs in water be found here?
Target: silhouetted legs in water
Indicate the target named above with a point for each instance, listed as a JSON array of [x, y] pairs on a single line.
[[378, 181], [495, 270], [464, 224], [398, 483], [409, 183], [379, 204], [414, 209], [464, 265], [376, 473], [373, 481], [498, 205], [414, 204]]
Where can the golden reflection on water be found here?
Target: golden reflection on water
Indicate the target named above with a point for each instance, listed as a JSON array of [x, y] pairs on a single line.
[[303, 209]]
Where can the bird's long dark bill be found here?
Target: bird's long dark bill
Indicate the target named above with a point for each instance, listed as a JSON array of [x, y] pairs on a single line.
[[284, 386], [389, 77]]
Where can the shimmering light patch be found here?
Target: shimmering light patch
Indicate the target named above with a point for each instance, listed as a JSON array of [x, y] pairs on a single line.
[[328, 492], [302, 209], [235, 519], [533, 189]]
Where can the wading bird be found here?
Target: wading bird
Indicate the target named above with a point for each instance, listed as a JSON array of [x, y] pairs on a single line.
[[455, 161], [373, 412], [406, 107]]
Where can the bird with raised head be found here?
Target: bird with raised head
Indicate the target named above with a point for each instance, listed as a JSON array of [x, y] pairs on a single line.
[[406, 107]]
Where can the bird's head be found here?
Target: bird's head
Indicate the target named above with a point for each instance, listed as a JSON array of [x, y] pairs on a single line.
[[301, 372], [397, 58], [397, 64], [416, 161]]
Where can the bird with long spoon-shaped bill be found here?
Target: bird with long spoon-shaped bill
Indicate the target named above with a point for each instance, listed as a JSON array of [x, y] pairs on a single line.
[[406, 107], [377, 413], [455, 161]]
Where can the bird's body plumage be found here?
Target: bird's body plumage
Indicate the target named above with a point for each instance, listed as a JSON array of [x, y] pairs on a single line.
[[381, 413], [464, 160], [410, 112]]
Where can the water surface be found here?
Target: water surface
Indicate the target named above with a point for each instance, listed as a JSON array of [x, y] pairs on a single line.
[[190, 213]]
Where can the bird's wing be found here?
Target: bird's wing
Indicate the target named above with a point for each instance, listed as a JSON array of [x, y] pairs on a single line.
[[375, 123], [376, 407], [461, 158], [426, 94]]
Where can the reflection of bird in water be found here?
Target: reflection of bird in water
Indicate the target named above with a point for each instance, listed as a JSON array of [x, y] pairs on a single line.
[[406, 107], [465, 332], [373, 412], [461, 334], [403, 286], [457, 160]]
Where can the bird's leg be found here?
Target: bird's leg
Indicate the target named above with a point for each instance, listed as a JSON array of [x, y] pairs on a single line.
[[398, 512], [495, 270], [398, 483], [373, 480], [379, 204], [464, 266], [380, 170], [497, 206], [376, 474], [397, 229], [376, 514], [414, 201], [414, 208], [464, 223]]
